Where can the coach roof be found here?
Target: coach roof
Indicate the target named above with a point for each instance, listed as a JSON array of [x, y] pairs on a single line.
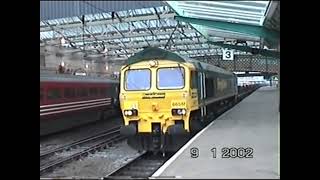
[[74, 78]]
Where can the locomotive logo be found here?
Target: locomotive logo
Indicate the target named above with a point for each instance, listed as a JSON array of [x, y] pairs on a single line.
[[222, 84], [153, 95]]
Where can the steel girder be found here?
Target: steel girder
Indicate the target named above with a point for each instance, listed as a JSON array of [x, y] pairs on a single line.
[[239, 28], [268, 34]]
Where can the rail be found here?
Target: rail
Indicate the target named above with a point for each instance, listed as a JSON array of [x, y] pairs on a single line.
[[141, 167], [96, 142]]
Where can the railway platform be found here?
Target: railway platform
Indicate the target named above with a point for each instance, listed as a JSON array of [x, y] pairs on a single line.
[[242, 143]]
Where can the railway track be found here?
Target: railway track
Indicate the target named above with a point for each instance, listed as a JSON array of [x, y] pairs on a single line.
[[77, 128], [50, 160], [145, 165], [141, 167]]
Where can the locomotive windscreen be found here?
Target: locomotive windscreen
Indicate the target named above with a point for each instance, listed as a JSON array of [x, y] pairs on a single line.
[[138, 79], [170, 78]]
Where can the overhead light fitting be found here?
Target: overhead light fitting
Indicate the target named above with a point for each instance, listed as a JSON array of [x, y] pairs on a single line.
[[62, 41]]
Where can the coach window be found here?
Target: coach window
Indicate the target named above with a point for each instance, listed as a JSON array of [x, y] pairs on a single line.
[[54, 94], [83, 92], [109, 93], [93, 91], [41, 93], [103, 91], [69, 93]]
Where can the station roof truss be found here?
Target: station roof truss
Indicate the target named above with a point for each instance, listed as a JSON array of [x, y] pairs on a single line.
[[177, 26]]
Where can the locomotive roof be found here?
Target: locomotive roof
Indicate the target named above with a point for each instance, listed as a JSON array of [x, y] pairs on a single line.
[[153, 53], [74, 78]]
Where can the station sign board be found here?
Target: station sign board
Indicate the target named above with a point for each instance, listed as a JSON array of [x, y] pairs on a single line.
[[228, 55]]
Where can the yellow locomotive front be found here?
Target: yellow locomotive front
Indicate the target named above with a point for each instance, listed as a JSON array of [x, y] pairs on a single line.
[[156, 100]]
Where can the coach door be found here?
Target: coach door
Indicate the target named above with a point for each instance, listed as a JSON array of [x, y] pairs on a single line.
[[202, 93]]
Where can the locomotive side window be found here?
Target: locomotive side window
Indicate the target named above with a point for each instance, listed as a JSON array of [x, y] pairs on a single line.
[[194, 80], [54, 94], [230, 84], [93, 91], [209, 87], [69, 93]]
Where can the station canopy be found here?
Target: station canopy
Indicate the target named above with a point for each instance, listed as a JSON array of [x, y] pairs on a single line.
[[119, 29]]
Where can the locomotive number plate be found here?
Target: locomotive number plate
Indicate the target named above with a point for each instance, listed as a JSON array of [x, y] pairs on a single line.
[[178, 104]]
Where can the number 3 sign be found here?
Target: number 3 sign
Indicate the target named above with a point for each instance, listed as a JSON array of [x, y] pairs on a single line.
[[227, 54]]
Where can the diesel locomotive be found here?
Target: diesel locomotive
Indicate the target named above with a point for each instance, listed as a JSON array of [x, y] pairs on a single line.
[[165, 98]]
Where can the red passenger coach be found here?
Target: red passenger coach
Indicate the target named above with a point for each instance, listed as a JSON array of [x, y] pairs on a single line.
[[68, 101]]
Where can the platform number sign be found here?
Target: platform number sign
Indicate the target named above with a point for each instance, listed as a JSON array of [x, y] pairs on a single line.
[[227, 54]]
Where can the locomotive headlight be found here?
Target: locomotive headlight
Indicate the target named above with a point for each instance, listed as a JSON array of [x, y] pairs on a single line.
[[179, 111], [132, 112], [129, 113], [153, 63]]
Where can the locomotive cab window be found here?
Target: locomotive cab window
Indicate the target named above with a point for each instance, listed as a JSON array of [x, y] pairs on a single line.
[[209, 86], [170, 78], [137, 79]]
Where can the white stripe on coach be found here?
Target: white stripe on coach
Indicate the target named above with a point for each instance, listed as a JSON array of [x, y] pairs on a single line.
[[79, 105], [77, 102], [56, 112]]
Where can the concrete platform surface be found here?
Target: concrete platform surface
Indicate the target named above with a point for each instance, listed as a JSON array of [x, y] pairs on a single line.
[[253, 123]]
